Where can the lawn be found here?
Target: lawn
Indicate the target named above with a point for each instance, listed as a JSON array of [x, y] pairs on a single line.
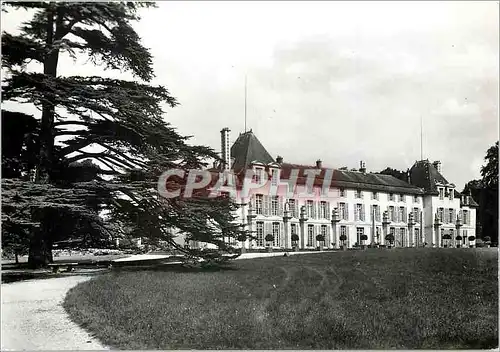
[[373, 299]]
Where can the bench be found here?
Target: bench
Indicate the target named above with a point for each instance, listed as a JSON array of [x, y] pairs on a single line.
[[69, 267]]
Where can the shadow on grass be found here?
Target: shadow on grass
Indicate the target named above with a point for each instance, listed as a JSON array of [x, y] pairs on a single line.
[[179, 268]]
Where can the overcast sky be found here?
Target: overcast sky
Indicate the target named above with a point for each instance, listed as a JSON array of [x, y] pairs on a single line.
[[338, 81]]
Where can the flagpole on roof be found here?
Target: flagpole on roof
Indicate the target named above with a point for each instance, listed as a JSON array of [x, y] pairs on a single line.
[[245, 102]]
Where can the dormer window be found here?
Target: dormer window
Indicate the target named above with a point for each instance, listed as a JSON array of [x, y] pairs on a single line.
[[359, 194], [415, 199], [258, 175], [274, 177], [342, 192], [401, 198], [441, 193], [391, 196], [451, 195], [375, 195]]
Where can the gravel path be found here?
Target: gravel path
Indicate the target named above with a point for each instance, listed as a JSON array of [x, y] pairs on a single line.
[[33, 317]]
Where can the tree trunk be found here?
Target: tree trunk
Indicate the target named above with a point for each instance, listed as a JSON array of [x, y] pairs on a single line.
[[40, 252], [48, 107]]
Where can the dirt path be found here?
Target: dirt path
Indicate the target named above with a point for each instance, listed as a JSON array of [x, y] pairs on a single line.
[[33, 317]]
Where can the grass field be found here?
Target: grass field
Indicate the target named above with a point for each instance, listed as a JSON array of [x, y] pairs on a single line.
[[373, 299]]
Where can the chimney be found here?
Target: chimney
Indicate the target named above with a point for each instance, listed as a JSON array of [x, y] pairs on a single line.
[[362, 166], [408, 176], [225, 148], [279, 159], [437, 165], [319, 164]]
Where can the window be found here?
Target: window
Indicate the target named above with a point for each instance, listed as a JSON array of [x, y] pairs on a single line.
[[343, 211], [375, 195], [417, 235], [403, 237], [323, 211], [343, 230], [323, 230], [359, 194], [401, 197], [258, 203], [360, 231], [293, 208], [293, 228], [274, 177], [402, 214], [415, 199], [310, 235], [276, 234], [309, 208], [441, 193], [465, 215], [360, 213], [392, 231], [376, 212], [258, 175], [451, 194], [450, 215], [260, 234], [440, 214], [391, 214], [416, 213], [341, 192], [391, 196], [274, 205]]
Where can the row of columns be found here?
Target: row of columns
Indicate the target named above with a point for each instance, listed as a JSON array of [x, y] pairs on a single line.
[[335, 219]]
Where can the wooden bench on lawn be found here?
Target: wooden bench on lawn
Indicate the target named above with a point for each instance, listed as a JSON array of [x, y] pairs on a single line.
[[56, 266]]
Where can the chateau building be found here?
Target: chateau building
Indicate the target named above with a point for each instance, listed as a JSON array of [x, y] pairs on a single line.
[[296, 203]]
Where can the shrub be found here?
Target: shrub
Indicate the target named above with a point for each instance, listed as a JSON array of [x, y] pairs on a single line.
[[320, 238], [269, 238], [364, 237], [295, 237], [487, 239], [458, 238], [390, 238], [471, 238], [343, 237]]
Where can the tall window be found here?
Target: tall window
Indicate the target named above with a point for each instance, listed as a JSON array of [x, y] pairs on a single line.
[[274, 177], [415, 199], [274, 205], [441, 193], [310, 235], [376, 212], [276, 234], [258, 175], [341, 192], [360, 231], [391, 213], [375, 195], [323, 230], [323, 213], [293, 208], [440, 214], [260, 234], [343, 211], [402, 198], [359, 212], [450, 215], [258, 203], [343, 230], [392, 231], [402, 214], [310, 205], [293, 228], [465, 215], [403, 237], [391, 196], [416, 213], [417, 234], [451, 195], [359, 194]]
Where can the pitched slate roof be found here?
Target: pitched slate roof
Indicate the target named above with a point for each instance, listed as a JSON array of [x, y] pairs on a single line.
[[423, 174], [247, 149], [352, 179]]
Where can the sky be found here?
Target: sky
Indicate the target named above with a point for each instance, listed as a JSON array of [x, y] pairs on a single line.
[[336, 81]]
